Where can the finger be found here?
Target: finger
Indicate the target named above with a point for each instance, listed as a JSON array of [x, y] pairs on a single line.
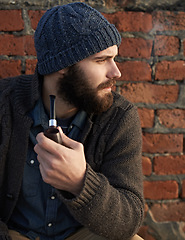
[[46, 143], [68, 142], [42, 155]]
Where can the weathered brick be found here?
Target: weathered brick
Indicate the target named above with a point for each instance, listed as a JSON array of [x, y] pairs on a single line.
[[162, 143], [174, 118], [147, 166], [11, 20], [35, 17], [150, 93], [184, 46], [170, 70], [173, 211], [146, 117], [30, 66], [28, 45], [166, 20], [144, 232], [135, 71], [166, 165], [160, 190], [183, 189], [166, 46], [131, 21], [11, 45], [10, 68], [136, 48], [17, 45]]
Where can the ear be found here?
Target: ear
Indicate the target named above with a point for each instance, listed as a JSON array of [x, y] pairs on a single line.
[[62, 72]]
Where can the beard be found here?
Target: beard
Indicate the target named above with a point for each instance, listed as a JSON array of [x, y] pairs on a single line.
[[74, 89]]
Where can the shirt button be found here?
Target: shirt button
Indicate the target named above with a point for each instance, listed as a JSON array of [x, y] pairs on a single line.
[[52, 197], [32, 161], [50, 224]]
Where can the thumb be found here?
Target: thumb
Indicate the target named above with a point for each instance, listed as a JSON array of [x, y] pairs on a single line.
[[66, 141]]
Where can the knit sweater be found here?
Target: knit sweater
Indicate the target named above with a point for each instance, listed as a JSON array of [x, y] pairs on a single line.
[[111, 201]]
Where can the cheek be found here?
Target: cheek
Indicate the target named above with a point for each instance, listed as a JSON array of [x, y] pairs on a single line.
[[95, 77]]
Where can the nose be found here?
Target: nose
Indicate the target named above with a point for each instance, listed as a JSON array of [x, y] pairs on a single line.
[[114, 71]]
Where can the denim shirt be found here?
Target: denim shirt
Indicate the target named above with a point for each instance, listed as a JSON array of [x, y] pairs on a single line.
[[39, 212]]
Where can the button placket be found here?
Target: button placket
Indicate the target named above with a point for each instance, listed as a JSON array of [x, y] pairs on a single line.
[[53, 197], [32, 161], [50, 224]]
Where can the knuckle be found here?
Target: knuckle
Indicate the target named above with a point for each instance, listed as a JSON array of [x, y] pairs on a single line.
[[47, 176], [79, 146]]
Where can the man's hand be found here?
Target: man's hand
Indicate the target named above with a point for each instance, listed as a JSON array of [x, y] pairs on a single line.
[[62, 166]]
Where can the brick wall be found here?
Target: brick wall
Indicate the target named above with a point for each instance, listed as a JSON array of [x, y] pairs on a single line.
[[152, 61]]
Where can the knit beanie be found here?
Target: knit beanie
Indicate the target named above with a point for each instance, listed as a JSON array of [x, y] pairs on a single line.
[[70, 33]]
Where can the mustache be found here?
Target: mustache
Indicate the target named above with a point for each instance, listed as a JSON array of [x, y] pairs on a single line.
[[107, 84]]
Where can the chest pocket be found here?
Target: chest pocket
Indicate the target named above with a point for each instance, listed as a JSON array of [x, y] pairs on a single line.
[[32, 176]]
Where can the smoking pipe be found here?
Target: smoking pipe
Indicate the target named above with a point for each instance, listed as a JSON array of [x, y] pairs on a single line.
[[52, 132]]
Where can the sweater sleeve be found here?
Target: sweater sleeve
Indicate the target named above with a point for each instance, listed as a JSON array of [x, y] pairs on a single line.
[[111, 202], [4, 232]]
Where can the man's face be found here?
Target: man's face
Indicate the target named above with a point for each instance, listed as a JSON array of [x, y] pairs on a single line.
[[87, 84]]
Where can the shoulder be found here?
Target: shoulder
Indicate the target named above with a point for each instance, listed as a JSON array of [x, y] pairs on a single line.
[[121, 108], [19, 91], [11, 82], [121, 114], [121, 103]]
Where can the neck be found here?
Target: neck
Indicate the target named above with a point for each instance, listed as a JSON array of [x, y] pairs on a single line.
[[63, 109]]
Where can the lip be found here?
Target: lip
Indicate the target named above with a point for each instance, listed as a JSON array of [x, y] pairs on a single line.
[[106, 86], [107, 89]]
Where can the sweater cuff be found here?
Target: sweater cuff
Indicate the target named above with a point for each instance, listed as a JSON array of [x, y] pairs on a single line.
[[91, 185], [5, 238]]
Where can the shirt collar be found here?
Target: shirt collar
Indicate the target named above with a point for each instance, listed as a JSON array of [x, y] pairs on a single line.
[[40, 117]]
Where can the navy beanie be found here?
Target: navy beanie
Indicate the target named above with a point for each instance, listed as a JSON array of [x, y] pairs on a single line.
[[70, 33]]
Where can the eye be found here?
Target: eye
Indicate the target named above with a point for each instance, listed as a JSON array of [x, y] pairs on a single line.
[[101, 60]]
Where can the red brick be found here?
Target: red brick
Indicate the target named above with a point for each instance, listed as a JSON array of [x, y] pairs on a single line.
[[162, 143], [11, 45], [147, 166], [135, 71], [166, 165], [150, 93], [166, 20], [146, 117], [17, 45], [184, 46], [144, 232], [10, 68], [30, 66], [166, 46], [165, 212], [172, 118], [11, 20], [131, 21], [136, 48], [170, 70], [160, 190], [28, 44], [183, 189], [35, 17], [146, 209]]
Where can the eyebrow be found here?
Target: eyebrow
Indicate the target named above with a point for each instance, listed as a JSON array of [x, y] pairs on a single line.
[[104, 57]]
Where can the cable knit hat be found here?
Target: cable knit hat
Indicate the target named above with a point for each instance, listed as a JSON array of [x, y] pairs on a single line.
[[70, 33]]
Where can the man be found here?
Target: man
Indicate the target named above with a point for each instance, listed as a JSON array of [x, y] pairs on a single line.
[[90, 186]]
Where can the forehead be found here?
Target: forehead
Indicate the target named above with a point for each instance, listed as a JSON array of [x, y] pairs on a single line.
[[111, 51]]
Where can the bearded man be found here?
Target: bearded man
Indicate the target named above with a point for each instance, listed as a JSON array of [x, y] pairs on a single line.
[[90, 186]]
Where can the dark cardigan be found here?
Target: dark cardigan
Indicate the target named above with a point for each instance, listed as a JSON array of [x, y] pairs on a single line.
[[111, 202]]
